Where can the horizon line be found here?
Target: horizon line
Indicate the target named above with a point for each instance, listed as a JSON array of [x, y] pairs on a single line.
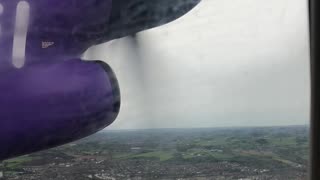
[[216, 127]]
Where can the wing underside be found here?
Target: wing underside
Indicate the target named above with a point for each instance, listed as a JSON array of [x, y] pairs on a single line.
[[132, 16]]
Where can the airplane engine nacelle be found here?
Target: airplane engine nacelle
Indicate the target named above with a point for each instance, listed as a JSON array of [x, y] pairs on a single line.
[[48, 95]]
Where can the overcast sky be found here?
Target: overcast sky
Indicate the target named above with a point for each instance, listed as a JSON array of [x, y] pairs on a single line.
[[226, 63]]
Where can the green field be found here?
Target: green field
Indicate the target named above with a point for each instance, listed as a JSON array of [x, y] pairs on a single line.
[[280, 152]]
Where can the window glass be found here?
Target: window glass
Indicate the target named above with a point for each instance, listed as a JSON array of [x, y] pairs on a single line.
[[221, 93]]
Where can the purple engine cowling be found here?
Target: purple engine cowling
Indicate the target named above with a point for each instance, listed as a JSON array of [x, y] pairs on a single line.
[[55, 97]]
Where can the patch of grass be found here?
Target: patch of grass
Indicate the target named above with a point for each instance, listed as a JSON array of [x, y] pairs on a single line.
[[220, 156], [218, 141], [268, 155], [285, 141], [122, 155], [17, 162], [161, 155]]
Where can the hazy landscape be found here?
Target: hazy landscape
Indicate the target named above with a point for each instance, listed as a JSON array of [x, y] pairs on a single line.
[[262, 153]]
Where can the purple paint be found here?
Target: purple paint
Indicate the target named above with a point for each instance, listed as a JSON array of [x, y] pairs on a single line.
[[55, 97]]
